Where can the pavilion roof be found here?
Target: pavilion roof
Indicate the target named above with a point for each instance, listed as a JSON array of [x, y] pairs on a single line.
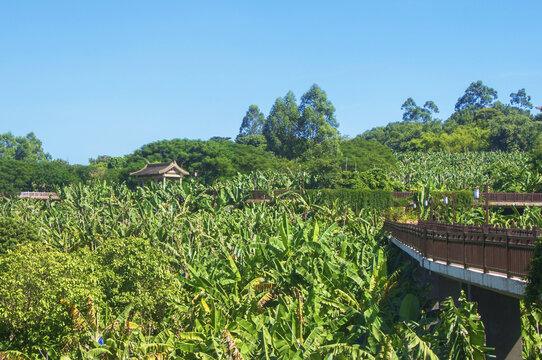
[[159, 169]]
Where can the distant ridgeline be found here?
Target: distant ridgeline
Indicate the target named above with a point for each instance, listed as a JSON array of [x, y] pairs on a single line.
[[300, 138]]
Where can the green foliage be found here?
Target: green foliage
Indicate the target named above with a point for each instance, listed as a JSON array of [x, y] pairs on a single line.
[[410, 308], [514, 132], [281, 126], [374, 179], [213, 160], [14, 231], [479, 123], [364, 155], [136, 274], [458, 171], [34, 278], [377, 199], [27, 148], [414, 113], [204, 275], [252, 124], [462, 330], [397, 135], [16, 176], [533, 291], [521, 99], [258, 141], [308, 130], [531, 322], [476, 96]]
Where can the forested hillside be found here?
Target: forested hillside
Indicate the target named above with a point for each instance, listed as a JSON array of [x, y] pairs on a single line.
[[302, 136], [480, 123]]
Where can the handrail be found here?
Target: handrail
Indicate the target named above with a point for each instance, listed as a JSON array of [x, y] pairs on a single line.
[[492, 196], [38, 195], [491, 249], [402, 194]]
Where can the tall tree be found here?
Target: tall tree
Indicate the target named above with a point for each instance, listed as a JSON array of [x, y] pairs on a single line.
[[521, 99], [476, 96], [25, 148], [252, 122], [281, 126], [316, 98], [317, 126], [414, 113]]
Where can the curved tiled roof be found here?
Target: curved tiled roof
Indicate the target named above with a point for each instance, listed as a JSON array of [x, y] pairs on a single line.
[[159, 169]]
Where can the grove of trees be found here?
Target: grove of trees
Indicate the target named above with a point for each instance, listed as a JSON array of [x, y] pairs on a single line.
[[480, 123], [298, 136]]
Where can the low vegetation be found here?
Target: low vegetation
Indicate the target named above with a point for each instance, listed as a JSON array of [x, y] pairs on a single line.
[[176, 273]]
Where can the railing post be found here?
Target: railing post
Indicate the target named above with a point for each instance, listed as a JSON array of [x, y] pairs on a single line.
[[423, 249], [484, 238], [464, 248], [433, 246], [447, 256], [507, 253]]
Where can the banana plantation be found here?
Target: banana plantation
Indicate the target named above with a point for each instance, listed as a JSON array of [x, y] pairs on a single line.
[[196, 272], [503, 171]]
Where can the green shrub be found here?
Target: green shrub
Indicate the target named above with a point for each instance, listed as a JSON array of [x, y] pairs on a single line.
[[137, 274], [14, 231], [33, 279], [376, 199]]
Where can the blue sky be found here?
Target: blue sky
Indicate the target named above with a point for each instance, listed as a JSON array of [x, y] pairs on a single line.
[[106, 77]]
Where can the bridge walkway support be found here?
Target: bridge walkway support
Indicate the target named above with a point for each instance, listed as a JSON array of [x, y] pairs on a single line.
[[500, 313]]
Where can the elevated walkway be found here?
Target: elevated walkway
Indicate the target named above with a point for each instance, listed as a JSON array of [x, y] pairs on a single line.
[[514, 286], [488, 263]]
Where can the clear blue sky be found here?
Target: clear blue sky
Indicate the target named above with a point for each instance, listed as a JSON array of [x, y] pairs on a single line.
[[106, 77]]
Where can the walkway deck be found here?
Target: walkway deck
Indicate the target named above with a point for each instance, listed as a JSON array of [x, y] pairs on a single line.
[[493, 258]]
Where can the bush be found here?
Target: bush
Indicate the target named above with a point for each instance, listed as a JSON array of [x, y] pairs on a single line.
[[33, 279], [376, 199], [136, 274], [14, 231]]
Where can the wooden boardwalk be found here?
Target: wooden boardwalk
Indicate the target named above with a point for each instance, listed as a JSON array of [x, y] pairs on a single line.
[[487, 248]]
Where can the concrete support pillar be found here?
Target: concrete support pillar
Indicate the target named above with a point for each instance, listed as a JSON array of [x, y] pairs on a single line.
[[500, 313], [501, 317]]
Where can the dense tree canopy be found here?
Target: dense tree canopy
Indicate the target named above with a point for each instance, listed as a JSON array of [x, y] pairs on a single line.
[[306, 130], [476, 96], [25, 148], [479, 123], [252, 122], [295, 135], [414, 113], [521, 99], [281, 126]]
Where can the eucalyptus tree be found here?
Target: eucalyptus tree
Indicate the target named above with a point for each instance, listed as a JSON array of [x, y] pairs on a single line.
[[476, 96], [415, 113], [253, 122], [281, 126], [520, 99]]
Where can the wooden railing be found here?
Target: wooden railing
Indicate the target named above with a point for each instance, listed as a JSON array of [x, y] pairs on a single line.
[[492, 196], [402, 194], [514, 197], [38, 195], [506, 251]]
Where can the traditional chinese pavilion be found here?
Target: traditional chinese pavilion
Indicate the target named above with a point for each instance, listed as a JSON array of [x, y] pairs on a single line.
[[160, 173]]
